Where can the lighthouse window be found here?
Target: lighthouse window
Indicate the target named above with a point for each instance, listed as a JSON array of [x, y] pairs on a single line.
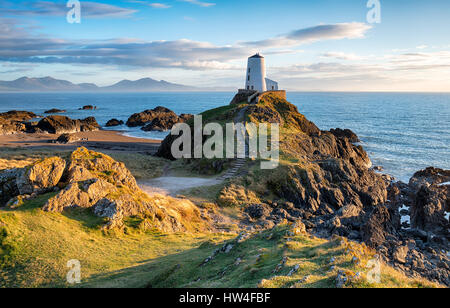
[[249, 71], [248, 77]]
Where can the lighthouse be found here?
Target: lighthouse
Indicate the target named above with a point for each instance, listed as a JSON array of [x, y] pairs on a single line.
[[257, 85], [256, 74]]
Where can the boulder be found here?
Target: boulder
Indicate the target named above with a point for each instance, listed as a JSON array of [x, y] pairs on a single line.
[[15, 115], [162, 124], [67, 138], [54, 110], [41, 176], [11, 127], [83, 194], [65, 125], [100, 164], [13, 122], [88, 107], [114, 122], [37, 178], [147, 116], [429, 209]]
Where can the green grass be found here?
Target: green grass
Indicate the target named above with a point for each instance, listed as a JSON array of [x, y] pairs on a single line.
[[43, 243]]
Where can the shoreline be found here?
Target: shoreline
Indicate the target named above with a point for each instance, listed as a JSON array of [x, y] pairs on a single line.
[[111, 140]]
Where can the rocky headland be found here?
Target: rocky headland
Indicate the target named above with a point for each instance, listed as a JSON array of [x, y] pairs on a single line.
[[325, 181]]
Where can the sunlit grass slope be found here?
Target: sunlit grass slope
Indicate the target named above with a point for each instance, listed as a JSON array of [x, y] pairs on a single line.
[[35, 248]]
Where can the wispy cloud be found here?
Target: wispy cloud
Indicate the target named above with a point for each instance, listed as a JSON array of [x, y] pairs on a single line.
[[89, 9], [313, 34], [20, 45], [160, 5], [342, 56], [199, 3], [155, 5]]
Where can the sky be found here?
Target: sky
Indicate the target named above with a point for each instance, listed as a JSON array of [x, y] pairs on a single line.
[[320, 45]]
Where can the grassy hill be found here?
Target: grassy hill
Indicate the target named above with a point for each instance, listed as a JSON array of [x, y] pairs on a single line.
[[35, 248]]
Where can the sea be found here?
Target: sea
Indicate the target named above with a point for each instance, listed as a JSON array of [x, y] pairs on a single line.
[[402, 132]]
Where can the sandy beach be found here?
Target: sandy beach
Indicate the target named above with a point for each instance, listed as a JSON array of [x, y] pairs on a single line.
[[97, 140]]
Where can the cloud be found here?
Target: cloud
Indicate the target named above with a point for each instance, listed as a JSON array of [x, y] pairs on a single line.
[[313, 34], [19, 44], [341, 56], [88, 9], [160, 5], [199, 3]]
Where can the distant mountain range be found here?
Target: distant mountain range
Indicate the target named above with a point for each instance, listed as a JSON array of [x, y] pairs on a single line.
[[49, 84]]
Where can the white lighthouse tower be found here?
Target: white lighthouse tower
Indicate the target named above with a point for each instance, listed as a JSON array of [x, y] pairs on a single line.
[[256, 74]]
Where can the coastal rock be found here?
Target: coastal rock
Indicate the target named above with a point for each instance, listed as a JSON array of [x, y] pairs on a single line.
[[67, 138], [15, 115], [41, 176], [147, 116], [345, 133], [184, 117], [114, 122], [11, 127], [37, 178], [257, 211], [400, 254], [55, 111], [429, 208], [161, 124], [88, 107], [13, 122], [8, 186], [378, 227], [97, 163], [65, 125], [95, 181], [83, 194]]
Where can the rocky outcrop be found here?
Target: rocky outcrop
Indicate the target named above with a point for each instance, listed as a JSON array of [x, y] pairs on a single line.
[[147, 116], [13, 122], [15, 115], [65, 125], [161, 124], [41, 176], [37, 178], [54, 110], [242, 97], [67, 138], [185, 117], [88, 107], [95, 181], [158, 119], [11, 127], [345, 133], [329, 185], [114, 122]]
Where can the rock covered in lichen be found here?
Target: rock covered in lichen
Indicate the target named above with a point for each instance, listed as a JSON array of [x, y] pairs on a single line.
[[95, 181]]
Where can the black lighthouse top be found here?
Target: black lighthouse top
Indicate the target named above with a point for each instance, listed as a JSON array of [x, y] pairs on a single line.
[[257, 56]]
